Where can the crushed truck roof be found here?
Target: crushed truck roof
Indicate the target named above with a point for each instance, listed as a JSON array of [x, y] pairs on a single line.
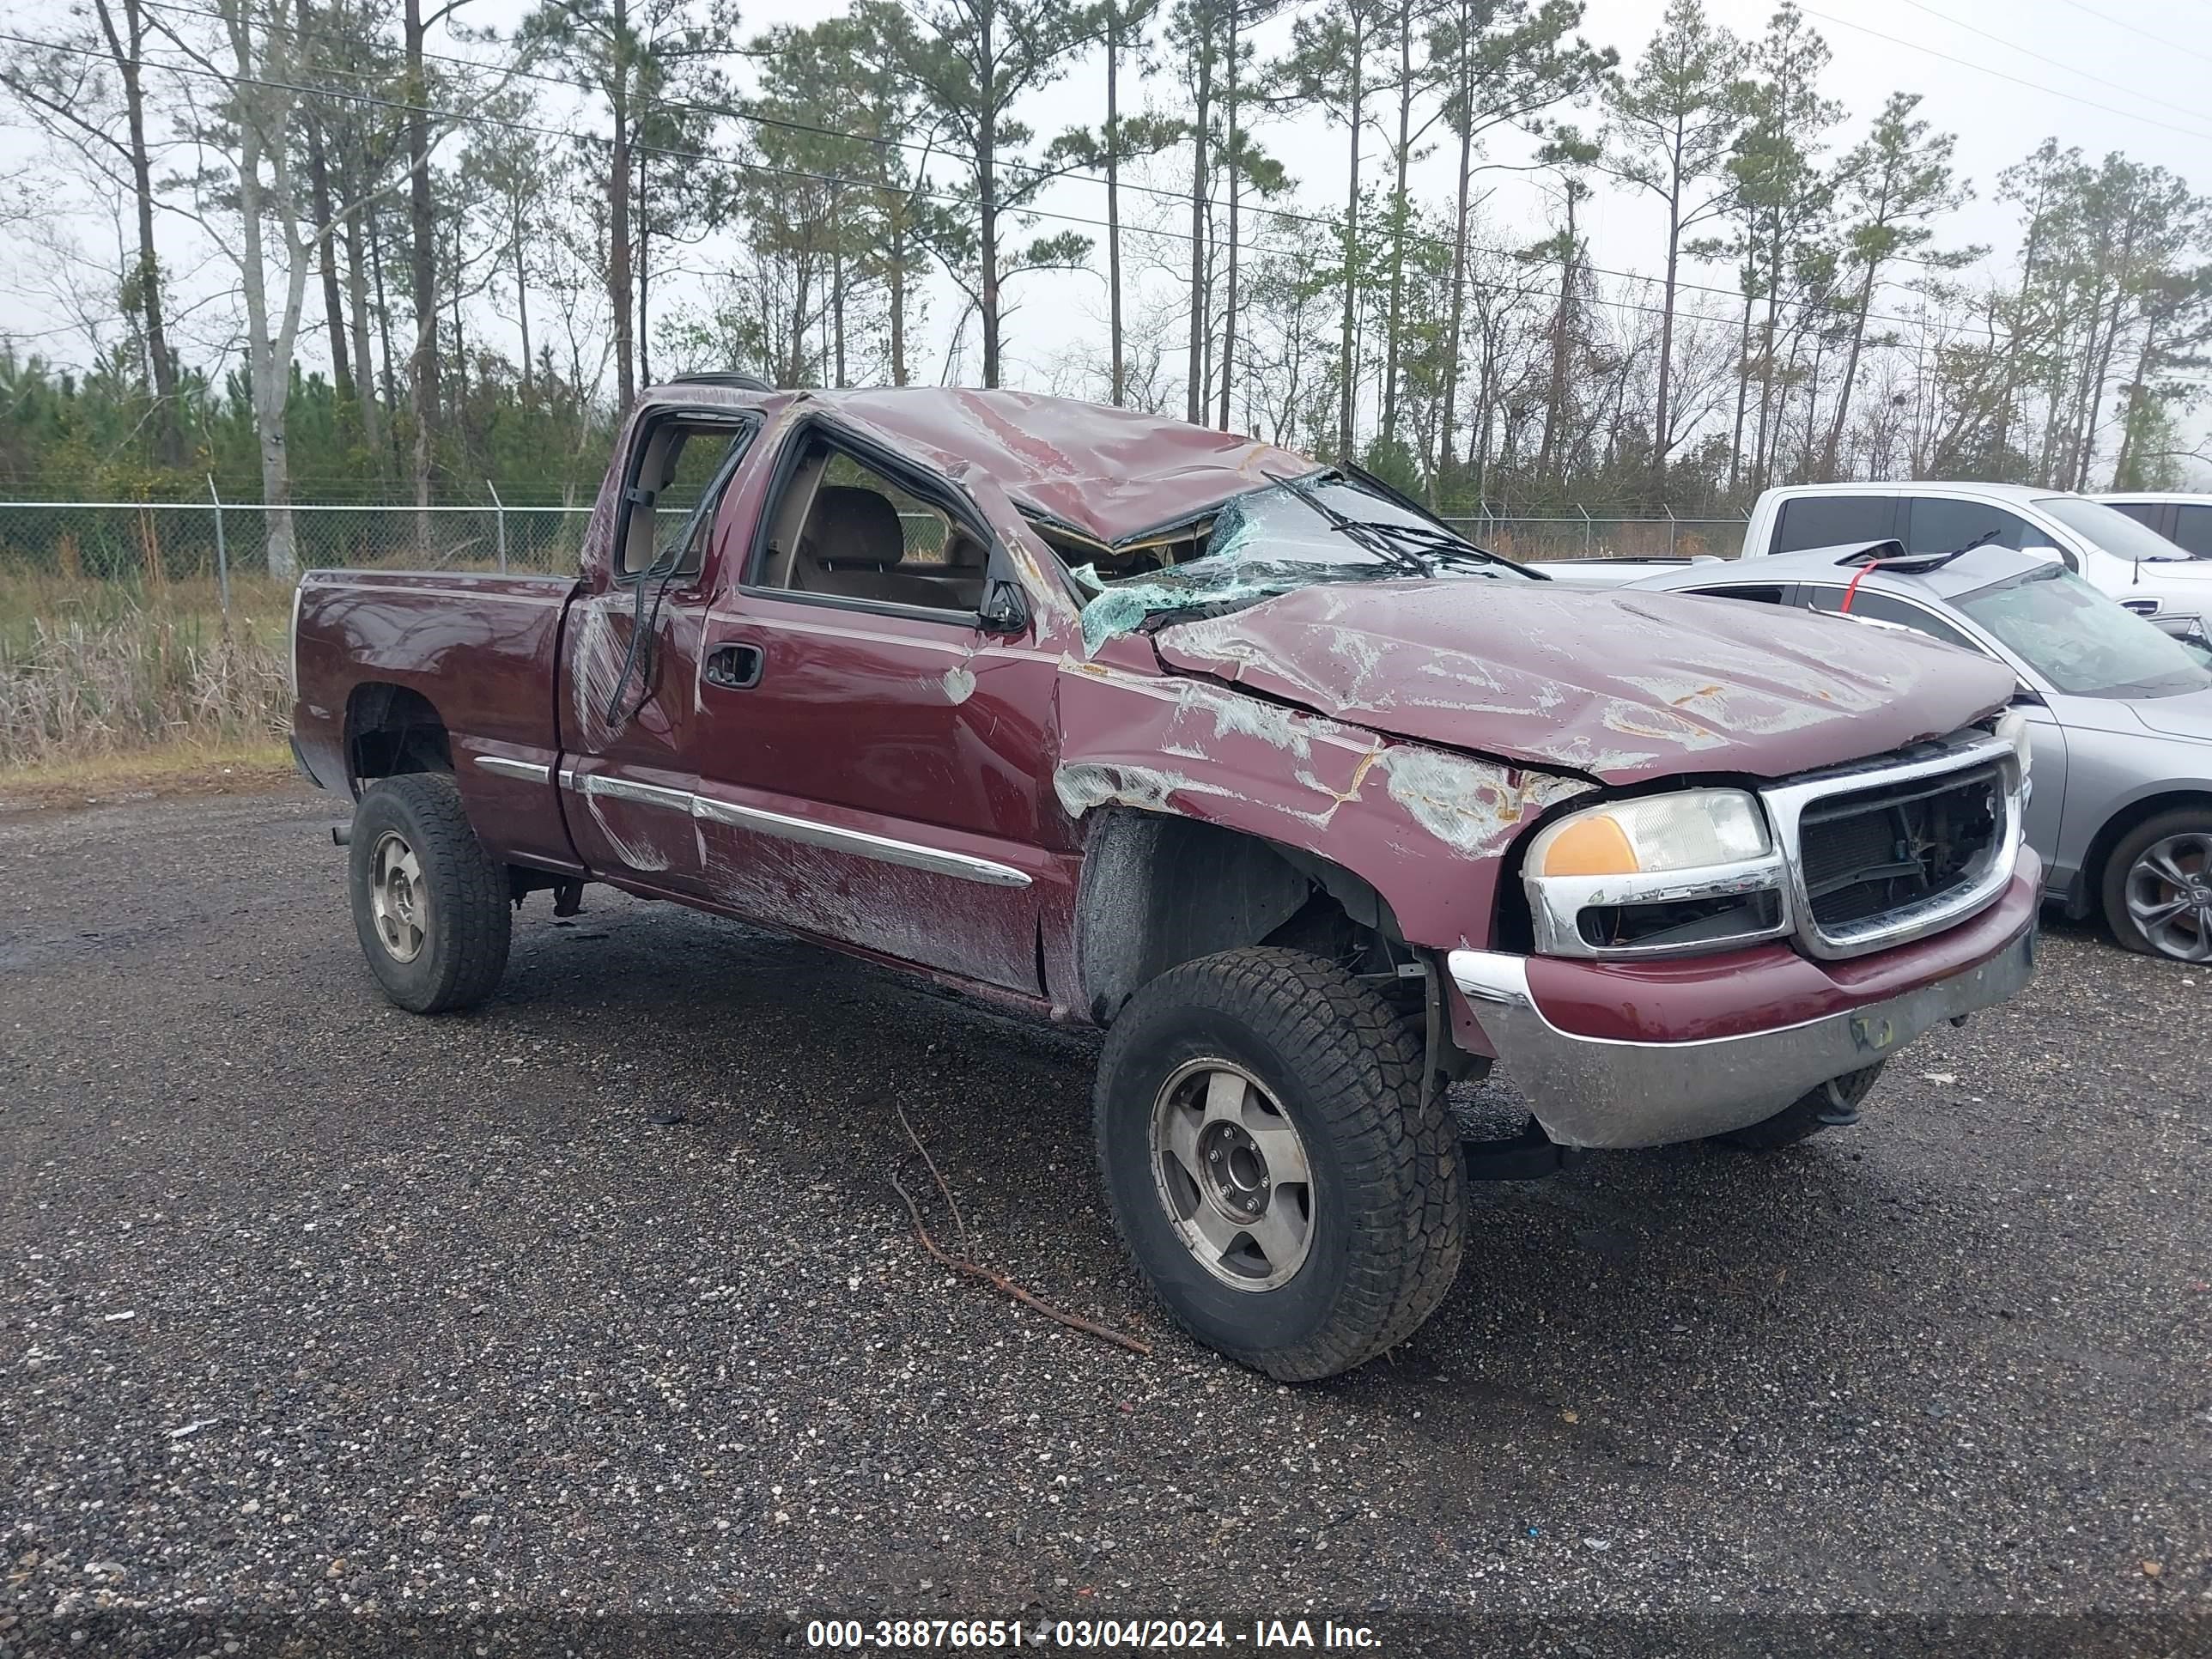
[[1110, 473]]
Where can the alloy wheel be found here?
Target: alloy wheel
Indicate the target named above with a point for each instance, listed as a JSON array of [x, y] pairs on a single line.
[[2169, 895], [396, 897], [1232, 1175]]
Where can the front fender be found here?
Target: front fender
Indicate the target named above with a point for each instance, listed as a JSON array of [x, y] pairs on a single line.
[[1426, 828]]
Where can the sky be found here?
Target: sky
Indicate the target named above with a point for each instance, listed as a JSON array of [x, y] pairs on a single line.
[[2003, 74]]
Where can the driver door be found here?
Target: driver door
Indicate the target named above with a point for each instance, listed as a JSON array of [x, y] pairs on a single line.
[[630, 654], [869, 748]]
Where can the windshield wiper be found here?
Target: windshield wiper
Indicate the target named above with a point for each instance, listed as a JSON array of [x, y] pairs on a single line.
[[1440, 545], [1361, 535]]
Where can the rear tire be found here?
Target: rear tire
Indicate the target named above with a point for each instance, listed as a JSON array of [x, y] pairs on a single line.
[[1268, 1086], [2158, 886], [430, 905], [1807, 1115]]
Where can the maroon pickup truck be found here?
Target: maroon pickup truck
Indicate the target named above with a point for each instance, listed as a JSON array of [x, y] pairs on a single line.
[[1314, 806]]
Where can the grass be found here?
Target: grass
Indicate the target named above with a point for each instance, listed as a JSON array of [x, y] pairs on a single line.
[[96, 673], [177, 768]]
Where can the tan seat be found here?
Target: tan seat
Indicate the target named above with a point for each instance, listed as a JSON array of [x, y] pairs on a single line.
[[853, 546]]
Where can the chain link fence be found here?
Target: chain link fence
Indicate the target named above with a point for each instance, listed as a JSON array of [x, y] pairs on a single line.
[[1586, 536], [156, 542]]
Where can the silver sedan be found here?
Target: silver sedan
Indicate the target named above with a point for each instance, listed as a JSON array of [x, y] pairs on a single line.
[[2119, 714]]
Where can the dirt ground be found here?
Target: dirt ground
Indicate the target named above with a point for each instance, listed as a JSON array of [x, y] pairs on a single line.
[[598, 1300]]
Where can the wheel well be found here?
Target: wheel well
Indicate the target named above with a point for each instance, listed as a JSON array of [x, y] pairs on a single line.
[[2117, 827], [1157, 891], [391, 730]]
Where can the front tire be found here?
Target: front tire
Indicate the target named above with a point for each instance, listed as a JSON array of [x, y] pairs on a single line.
[[1272, 1164], [2158, 886], [429, 904]]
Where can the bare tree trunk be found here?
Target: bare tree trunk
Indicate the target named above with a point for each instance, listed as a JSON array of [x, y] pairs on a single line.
[[423, 371], [2088, 452], [986, 191], [837, 307], [1830, 452], [1458, 276], [268, 391], [1236, 178], [1759, 471], [1118, 382], [897, 280], [644, 326], [318, 180], [1396, 327], [1742, 393], [618, 283], [1194, 391], [388, 374], [1662, 419], [2012, 358], [2137, 398], [268, 347], [522, 305], [460, 396], [1550, 452], [127, 48], [1356, 109], [372, 412]]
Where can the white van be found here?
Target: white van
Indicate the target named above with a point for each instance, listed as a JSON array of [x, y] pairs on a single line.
[[2147, 574]]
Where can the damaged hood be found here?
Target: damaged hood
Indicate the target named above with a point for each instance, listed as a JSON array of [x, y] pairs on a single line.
[[1620, 686]]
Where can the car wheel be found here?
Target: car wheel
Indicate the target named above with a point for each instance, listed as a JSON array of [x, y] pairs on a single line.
[[2158, 886], [1272, 1164], [429, 904], [1832, 1105]]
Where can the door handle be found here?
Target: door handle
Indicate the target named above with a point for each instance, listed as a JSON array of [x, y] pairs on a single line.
[[734, 667]]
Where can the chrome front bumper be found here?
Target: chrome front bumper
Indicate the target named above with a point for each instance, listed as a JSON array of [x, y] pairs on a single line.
[[1602, 1091]]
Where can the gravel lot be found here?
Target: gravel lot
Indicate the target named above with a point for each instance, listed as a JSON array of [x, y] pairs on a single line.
[[309, 1304]]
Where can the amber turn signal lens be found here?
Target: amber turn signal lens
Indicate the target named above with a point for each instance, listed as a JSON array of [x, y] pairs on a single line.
[[1593, 846]]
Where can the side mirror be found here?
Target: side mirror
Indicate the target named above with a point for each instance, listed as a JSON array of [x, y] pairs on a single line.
[[2025, 695], [2058, 555], [1004, 611]]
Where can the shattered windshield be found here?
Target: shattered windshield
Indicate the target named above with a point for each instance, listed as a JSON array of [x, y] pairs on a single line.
[[2080, 641], [1290, 535]]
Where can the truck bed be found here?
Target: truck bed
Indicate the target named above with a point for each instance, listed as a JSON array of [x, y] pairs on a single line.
[[481, 653]]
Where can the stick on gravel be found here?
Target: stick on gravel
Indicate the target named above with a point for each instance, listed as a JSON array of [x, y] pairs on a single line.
[[962, 1263]]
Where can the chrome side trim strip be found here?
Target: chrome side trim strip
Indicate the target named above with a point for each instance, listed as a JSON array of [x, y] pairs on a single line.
[[529, 771], [882, 848], [645, 794]]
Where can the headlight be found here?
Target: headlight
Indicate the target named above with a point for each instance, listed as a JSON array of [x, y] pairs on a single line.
[[1663, 875], [2012, 727], [1696, 829]]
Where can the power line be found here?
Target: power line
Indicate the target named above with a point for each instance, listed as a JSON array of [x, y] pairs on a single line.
[[2055, 62], [2172, 46], [1984, 69], [1284, 216]]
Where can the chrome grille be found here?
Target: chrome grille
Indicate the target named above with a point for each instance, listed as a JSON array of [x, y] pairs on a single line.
[[1893, 851], [1871, 854]]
